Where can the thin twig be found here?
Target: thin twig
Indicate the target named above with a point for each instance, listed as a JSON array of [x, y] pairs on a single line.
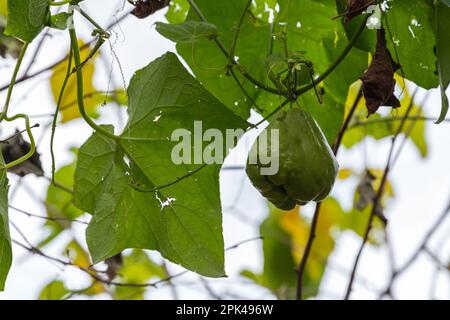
[[32, 215], [93, 273], [347, 121], [358, 123], [378, 197], [423, 245]]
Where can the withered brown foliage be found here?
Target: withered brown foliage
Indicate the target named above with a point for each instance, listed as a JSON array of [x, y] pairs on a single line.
[[17, 147], [378, 80], [145, 8], [114, 264]]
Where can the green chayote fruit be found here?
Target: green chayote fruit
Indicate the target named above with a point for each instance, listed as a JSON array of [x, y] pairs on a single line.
[[307, 165]]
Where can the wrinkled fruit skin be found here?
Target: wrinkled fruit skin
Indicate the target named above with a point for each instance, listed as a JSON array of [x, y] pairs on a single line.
[[307, 166]]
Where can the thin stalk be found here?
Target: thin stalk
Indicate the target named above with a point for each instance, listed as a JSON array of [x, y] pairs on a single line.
[[236, 34], [55, 117], [4, 113], [80, 94]]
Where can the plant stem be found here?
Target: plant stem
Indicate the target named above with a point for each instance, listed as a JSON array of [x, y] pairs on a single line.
[[4, 113], [340, 58], [80, 94], [347, 120], [231, 58], [30, 136], [357, 124], [306, 253], [236, 34], [94, 23]]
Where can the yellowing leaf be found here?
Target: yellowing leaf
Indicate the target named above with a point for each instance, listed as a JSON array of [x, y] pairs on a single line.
[[137, 268], [78, 255], [55, 290], [3, 8], [388, 190], [69, 107], [345, 174]]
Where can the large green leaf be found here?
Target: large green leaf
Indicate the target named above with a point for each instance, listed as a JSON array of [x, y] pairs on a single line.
[[410, 24], [187, 32], [26, 18], [443, 52], [183, 220], [126, 218], [5, 240], [96, 160]]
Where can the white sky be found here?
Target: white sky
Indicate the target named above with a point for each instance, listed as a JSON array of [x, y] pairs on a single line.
[[422, 188]]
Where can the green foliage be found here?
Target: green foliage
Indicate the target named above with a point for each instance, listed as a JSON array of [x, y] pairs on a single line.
[[252, 50], [8, 45], [209, 64], [93, 97], [60, 20], [55, 290], [411, 34], [26, 18], [187, 32], [443, 52], [184, 228], [5, 240], [139, 198], [177, 11]]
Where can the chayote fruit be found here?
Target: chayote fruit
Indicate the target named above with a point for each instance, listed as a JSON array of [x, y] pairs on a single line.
[[307, 165]]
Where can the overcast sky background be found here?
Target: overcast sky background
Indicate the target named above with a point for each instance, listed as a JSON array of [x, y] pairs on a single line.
[[422, 186]]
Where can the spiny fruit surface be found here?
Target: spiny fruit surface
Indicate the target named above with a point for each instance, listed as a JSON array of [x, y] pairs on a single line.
[[307, 165]]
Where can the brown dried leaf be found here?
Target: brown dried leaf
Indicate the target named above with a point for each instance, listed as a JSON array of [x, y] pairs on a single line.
[[114, 264], [367, 196], [145, 8], [17, 147], [378, 81], [366, 191], [355, 8]]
